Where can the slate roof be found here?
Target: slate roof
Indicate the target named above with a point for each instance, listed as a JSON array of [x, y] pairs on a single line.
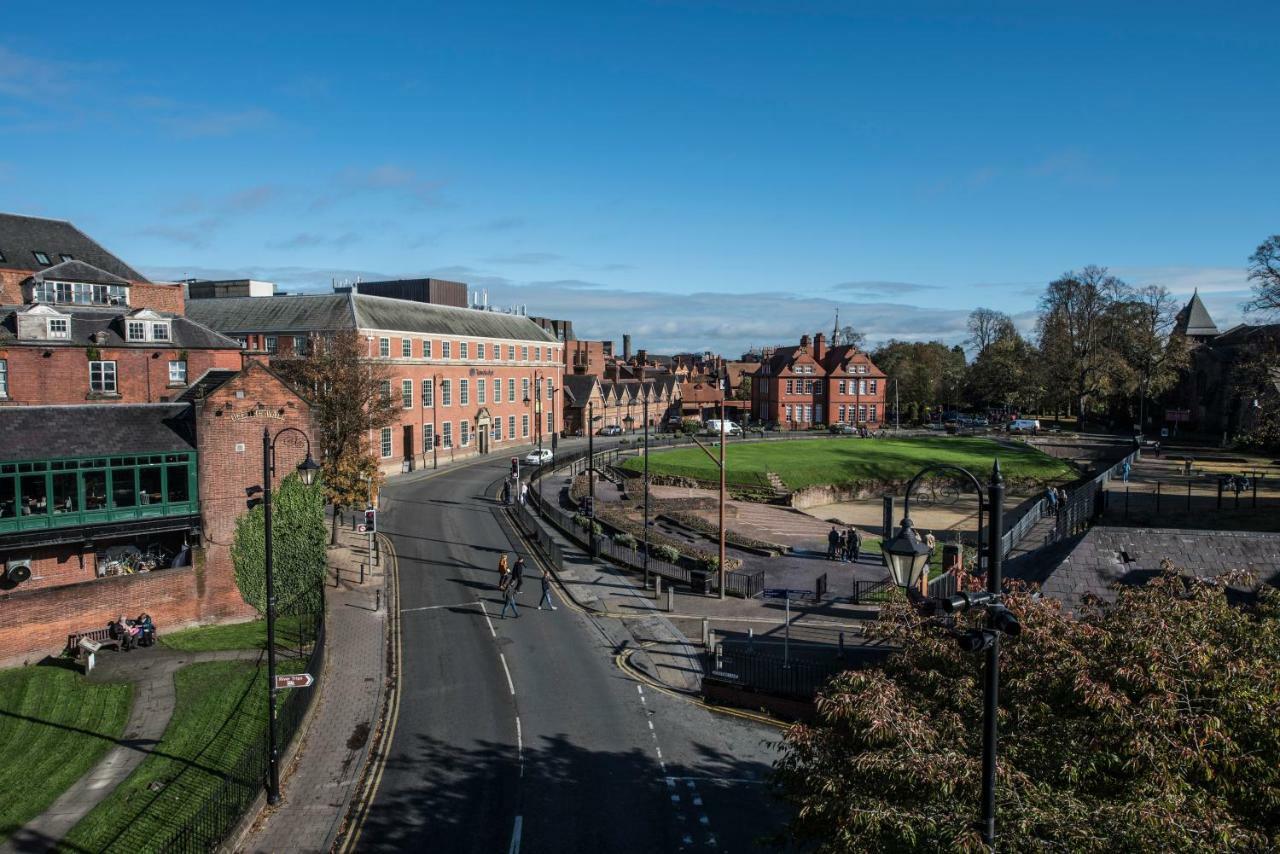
[[1108, 555], [22, 236], [209, 382], [85, 430], [88, 320], [1194, 318], [578, 387], [79, 271], [834, 362], [332, 312]]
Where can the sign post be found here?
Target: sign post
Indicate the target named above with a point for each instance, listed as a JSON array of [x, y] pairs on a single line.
[[294, 680], [786, 593]]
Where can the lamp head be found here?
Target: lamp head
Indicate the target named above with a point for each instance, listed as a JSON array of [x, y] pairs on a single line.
[[905, 556], [307, 470]]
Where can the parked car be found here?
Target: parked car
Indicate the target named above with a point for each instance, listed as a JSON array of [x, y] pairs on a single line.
[[539, 457], [1024, 425], [610, 430], [843, 429], [731, 428]]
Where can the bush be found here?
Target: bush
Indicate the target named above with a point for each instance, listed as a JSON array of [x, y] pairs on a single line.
[[690, 426], [298, 545], [709, 563], [667, 553], [625, 540]]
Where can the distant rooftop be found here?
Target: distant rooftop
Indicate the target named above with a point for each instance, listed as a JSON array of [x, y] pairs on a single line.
[[33, 243]]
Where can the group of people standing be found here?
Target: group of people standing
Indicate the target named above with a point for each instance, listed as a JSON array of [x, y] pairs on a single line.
[[1055, 499], [511, 580], [519, 493], [844, 545]]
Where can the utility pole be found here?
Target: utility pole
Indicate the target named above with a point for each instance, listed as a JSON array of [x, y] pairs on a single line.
[[591, 476], [645, 414], [722, 572]]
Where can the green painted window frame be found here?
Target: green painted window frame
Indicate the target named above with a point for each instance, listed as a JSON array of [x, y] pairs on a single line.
[[121, 472]]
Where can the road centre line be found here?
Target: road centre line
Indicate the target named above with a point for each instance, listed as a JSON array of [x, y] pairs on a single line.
[[515, 836], [492, 630], [438, 607], [507, 670]]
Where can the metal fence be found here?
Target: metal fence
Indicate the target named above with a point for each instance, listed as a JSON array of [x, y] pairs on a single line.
[[796, 677], [300, 637]]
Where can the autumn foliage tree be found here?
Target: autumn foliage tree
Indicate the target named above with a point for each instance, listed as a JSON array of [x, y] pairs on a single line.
[[1146, 725], [350, 401]]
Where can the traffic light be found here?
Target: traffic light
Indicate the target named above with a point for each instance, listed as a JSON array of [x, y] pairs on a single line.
[[515, 466], [371, 520]]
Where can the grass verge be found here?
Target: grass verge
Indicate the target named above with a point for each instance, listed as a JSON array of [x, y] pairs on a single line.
[[219, 715], [250, 635], [54, 725], [811, 462]]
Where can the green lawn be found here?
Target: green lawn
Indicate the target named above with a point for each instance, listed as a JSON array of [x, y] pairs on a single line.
[[54, 726], [809, 462], [250, 635], [220, 712]]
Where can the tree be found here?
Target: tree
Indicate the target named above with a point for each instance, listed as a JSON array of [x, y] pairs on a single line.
[[297, 539], [1264, 272], [928, 374], [348, 404], [1152, 356], [1147, 725], [1077, 335], [987, 326], [1256, 384], [1005, 373], [744, 388], [852, 337]]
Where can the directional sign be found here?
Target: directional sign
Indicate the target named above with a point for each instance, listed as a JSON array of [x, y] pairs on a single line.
[[785, 593], [294, 680]]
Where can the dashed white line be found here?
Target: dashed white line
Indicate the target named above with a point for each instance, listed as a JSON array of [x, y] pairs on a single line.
[[507, 670], [492, 630], [659, 751], [520, 745], [650, 726], [515, 836]]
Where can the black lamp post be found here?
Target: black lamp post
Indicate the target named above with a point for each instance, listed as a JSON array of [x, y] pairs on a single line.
[[591, 476], [906, 557], [645, 415], [307, 470]]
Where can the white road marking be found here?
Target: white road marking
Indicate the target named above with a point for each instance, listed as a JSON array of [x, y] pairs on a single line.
[[507, 670], [438, 607], [492, 630], [697, 800], [659, 749], [703, 820], [675, 799], [515, 836], [640, 690], [520, 745], [650, 725]]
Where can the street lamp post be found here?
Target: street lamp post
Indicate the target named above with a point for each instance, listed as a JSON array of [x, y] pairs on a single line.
[[591, 476], [906, 558], [307, 470], [435, 426], [645, 415]]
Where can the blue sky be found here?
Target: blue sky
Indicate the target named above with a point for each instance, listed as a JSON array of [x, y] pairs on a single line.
[[701, 174]]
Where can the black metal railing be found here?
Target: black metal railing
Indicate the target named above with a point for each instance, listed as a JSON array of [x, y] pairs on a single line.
[[799, 678], [301, 639]]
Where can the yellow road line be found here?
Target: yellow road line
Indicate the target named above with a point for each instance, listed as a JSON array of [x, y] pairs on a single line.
[[622, 660], [389, 726]]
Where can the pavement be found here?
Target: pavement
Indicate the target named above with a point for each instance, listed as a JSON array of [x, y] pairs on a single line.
[[319, 783], [151, 670]]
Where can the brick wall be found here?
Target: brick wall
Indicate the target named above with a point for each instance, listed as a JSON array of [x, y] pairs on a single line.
[[11, 286], [37, 621], [161, 297], [142, 375], [54, 566], [229, 427]]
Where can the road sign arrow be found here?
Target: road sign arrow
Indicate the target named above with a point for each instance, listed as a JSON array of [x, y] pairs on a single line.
[[294, 680]]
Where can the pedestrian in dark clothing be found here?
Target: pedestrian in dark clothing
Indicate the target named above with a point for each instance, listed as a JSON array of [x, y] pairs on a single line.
[[841, 547], [506, 492], [546, 590], [509, 601], [833, 542], [1156, 448], [517, 574], [853, 545]]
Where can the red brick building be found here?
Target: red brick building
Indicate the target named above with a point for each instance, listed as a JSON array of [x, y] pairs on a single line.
[[619, 403], [482, 381], [128, 435], [812, 384]]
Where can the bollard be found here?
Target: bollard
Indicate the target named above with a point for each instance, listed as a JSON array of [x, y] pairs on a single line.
[[840, 652], [671, 600], [377, 599], [719, 652], [1157, 496], [1219, 494], [337, 575], [362, 573], [657, 588], [706, 632], [751, 639], [353, 523], [1188, 495], [377, 552]]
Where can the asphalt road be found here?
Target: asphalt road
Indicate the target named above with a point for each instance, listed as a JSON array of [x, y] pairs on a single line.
[[520, 734]]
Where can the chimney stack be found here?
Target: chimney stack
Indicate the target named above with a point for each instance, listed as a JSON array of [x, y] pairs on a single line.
[[804, 342], [626, 348], [819, 346]]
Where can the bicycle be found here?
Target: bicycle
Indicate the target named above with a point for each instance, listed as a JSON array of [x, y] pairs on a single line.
[[942, 492]]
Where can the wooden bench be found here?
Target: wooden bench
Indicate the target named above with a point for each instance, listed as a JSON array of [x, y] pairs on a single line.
[[101, 637]]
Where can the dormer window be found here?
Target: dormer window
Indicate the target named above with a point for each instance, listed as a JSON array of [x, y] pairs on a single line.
[[59, 327], [81, 293], [41, 258], [65, 257], [159, 332], [137, 331]]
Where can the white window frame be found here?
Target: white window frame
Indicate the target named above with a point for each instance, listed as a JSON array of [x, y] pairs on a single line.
[[160, 331], [385, 443], [406, 348], [464, 392], [428, 393], [511, 389], [135, 330], [446, 349], [446, 393], [480, 392], [271, 344], [480, 350], [406, 394], [4, 379], [511, 426], [524, 388], [524, 426], [496, 430], [384, 348], [384, 387], [106, 376], [871, 413], [428, 438], [524, 352], [177, 372], [426, 348], [446, 434], [464, 433], [464, 350], [63, 322], [551, 424], [511, 352]]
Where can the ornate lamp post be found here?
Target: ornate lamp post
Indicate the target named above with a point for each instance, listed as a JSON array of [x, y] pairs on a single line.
[[307, 470], [906, 558]]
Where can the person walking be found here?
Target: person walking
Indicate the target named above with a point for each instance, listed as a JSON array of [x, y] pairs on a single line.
[[1124, 472], [854, 545], [517, 575], [506, 492], [1051, 498], [509, 602], [833, 542], [546, 590], [841, 547], [931, 541], [524, 491], [504, 572]]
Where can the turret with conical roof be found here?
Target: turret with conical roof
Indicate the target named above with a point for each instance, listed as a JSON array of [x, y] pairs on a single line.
[[1194, 321]]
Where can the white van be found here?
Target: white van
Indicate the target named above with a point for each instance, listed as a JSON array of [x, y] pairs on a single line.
[[1025, 425], [731, 428]]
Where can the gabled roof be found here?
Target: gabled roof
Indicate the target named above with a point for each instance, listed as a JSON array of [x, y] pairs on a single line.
[[209, 382], [83, 430], [22, 236], [109, 321], [1194, 318], [334, 312], [578, 387], [78, 271]]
